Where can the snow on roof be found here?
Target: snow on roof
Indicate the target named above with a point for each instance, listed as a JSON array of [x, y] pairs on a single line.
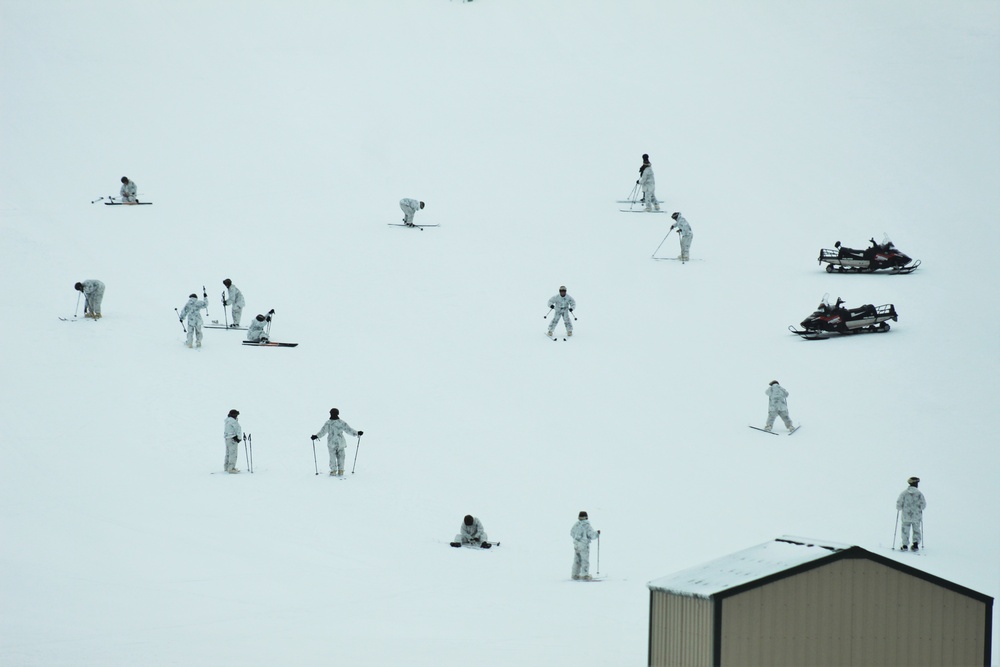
[[745, 566]]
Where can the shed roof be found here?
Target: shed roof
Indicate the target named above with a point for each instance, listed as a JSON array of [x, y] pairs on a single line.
[[780, 558]]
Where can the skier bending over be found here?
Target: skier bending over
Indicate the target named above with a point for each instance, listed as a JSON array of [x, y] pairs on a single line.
[[776, 405], [582, 535], [236, 300], [232, 436], [562, 305], [93, 293], [684, 229], [192, 310], [334, 430], [128, 191], [410, 208], [911, 503], [471, 533], [648, 184], [258, 329]]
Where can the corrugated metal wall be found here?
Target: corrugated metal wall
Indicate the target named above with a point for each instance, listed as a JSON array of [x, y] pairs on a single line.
[[680, 630], [852, 612]]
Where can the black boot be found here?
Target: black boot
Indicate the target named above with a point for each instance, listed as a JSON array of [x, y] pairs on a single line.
[[456, 544]]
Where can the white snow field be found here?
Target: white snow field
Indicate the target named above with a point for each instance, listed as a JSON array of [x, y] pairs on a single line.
[[275, 140]]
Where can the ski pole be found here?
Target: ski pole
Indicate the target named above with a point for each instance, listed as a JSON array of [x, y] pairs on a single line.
[[923, 538], [356, 454], [250, 457], [97, 200], [246, 454], [598, 552], [181, 320], [631, 195], [546, 315], [204, 295], [895, 526], [270, 314], [77, 309], [224, 312], [653, 256], [315, 465]]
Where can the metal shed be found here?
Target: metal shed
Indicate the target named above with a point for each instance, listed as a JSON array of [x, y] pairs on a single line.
[[801, 602]]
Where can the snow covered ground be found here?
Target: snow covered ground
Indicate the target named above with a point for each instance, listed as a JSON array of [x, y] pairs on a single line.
[[275, 139]]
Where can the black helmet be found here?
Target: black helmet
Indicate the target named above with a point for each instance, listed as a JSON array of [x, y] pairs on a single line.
[[124, 179], [468, 519], [234, 413], [334, 413]]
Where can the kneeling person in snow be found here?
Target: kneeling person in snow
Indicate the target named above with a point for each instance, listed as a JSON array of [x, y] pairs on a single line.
[[128, 191], [911, 503], [582, 535], [334, 430], [93, 293], [258, 329], [471, 534], [684, 229], [410, 208], [235, 300], [232, 435], [776, 405], [192, 311], [562, 305]]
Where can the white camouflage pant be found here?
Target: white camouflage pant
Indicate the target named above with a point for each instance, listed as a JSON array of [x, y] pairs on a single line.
[[581, 559], [409, 212], [917, 533], [567, 320], [336, 456], [194, 331], [93, 301], [686, 244], [237, 314], [231, 452], [649, 196], [778, 413]]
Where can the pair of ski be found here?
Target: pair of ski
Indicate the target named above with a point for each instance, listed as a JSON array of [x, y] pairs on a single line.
[[555, 338], [764, 430], [111, 202], [420, 227], [635, 202], [216, 325], [478, 547], [270, 343]]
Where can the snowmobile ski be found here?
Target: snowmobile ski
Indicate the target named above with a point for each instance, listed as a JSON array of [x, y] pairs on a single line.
[[270, 343], [764, 430]]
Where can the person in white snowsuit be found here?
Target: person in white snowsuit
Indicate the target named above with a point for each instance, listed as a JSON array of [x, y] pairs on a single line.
[[128, 191], [471, 533], [911, 504], [561, 305], [648, 184], [192, 311], [334, 430], [93, 293], [258, 329], [684, 229], [776, 405], [235, 300], [410, 208], [582, 535], [232, 434]]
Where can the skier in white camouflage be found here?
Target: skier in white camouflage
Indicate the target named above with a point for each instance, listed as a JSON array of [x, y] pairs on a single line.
[[235, 301], [192, 311], [410, 208], [911, 504], [561, 305], [334, 430], [471, 533], [582, 535], [257, 332], [777, 405], [128, 191], [648, 184], [93, 293], [232, 434], [684, 229]]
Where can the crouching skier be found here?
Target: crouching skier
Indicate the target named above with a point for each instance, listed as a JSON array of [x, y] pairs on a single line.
[[471, 534]]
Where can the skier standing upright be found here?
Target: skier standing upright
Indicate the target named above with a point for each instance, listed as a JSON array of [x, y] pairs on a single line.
[[334, 430], [471, 533], [684, 229], [93, 293], [582, 535], [911, 504], [410, 208], [128, 191], [236, 301], [777, 405], [232, 434], [561, 305], [192, 311], [648, 184]]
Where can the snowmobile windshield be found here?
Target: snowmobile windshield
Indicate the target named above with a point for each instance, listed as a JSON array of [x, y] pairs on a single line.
[[886, 241], [824, 303]]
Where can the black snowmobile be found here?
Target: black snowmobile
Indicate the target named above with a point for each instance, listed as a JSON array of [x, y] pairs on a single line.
[[878, 257], [827, 320]]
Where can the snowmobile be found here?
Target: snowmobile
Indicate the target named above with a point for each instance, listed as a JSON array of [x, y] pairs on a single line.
[[879, 256], [827, 320]]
